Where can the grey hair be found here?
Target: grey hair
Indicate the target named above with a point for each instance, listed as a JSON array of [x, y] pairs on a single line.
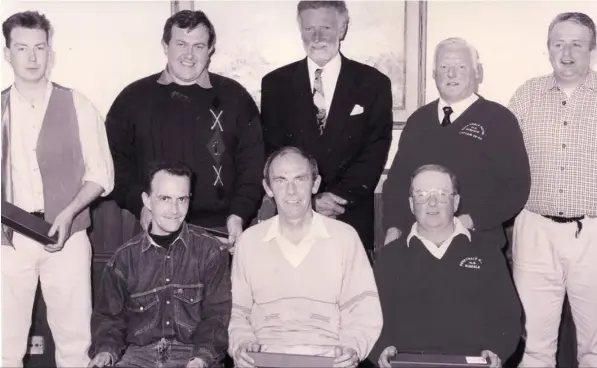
[[578, 18], [462, 42], [283, 152], [435, 168], [339, 6]]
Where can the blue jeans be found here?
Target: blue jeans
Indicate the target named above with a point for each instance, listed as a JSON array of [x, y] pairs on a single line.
[[163, 354]]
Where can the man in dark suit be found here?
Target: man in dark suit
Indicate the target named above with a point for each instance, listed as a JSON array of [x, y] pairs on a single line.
[[338, 110]]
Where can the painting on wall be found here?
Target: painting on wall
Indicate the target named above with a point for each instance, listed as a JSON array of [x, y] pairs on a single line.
[[256, 37]]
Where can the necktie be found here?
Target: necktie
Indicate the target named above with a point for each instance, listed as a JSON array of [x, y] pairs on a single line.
[[319, 100], [447, 112]]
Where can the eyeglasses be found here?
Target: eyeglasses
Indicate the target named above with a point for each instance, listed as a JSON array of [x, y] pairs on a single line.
[[422, 196]]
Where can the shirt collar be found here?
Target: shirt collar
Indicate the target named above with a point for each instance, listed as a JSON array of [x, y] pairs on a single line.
[[166, 78], [460, 106], [15, 93], [332, 68], [317, 228], [458, 230], [184, 235], [590, 82]]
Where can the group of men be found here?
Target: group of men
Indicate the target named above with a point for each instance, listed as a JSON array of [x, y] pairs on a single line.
[[185, 150]]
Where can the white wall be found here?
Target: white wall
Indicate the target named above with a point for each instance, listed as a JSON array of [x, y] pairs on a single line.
[[100, 46], [510, 36]]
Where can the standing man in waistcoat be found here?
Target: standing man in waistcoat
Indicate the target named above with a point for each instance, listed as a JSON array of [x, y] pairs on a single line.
[[336, 109], [55, 162], [185, 113]]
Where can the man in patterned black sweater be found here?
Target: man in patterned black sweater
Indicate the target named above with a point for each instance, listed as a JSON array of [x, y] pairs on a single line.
[[187, 114], [442, 291], [478, 139]]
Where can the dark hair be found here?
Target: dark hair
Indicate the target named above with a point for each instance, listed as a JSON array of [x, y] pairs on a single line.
[[439, 169], [27, 19], [579, 18], [172, 168], [284, 151], [189, 20]]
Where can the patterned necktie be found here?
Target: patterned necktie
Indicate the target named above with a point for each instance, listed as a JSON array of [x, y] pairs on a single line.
[[447, 112], [319, 100]]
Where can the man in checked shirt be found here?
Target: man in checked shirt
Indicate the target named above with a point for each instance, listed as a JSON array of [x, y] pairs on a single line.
[[555, 236]]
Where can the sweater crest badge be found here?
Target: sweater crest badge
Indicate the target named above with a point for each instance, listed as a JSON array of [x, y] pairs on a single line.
[[471, 262], [473, 130]]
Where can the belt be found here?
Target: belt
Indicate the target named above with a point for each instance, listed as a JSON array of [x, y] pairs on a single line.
[[39, 214], [567, 220]]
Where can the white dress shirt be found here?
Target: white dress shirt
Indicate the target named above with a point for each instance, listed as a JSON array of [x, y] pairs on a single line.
[[26, 121], [438, 251], [458, 108], [329, 77]]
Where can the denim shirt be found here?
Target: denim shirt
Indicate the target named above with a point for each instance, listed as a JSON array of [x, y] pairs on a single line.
[[147, 293]]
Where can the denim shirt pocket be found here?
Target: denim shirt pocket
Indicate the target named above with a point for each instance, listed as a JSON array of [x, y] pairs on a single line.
[[143, 312], [187, 308]]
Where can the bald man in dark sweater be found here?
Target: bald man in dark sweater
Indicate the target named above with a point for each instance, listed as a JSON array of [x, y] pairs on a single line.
[[442, 290], [478, 139]]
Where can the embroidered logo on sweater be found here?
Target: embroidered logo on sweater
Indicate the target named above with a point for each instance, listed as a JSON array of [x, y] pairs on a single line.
[[473, 130], [471, 262]]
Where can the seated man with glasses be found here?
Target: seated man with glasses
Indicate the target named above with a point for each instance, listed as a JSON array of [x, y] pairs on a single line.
[[441, 290]]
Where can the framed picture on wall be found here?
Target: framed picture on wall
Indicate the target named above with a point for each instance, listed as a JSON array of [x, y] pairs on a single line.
[[256, 37]]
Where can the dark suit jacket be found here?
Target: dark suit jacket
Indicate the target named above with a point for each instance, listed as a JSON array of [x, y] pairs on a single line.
[[353, 150]]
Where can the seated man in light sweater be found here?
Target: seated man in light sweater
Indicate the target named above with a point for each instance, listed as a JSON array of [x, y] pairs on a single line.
[[443, 291], [301, 282]]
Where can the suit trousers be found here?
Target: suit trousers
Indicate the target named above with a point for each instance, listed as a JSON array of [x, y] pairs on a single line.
[[548, 262], [65, 278]]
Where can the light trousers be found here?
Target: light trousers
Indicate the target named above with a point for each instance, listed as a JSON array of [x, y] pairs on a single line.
[[548, 262], [65, 278]]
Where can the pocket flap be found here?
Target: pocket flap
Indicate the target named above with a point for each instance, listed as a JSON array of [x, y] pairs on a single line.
[[189, 294], [142, 303]]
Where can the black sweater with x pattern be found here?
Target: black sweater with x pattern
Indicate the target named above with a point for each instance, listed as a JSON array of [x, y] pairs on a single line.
[[215, 131]]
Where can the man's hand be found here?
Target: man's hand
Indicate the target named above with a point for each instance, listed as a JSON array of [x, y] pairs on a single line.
[[62, 224], [386, 354], [467, 221], [101, 360], [494, 360], [345, 357], [242, 358], [196, 363], [329, 204], [234, 224], [145, 218], [392, 234]]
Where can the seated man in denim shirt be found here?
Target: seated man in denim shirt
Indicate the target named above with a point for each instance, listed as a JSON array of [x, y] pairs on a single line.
[[165, 296]]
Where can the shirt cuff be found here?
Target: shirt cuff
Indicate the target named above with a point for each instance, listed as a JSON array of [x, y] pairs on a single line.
[[206, 355], [201, 362], [113, 353], [106, 183]]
